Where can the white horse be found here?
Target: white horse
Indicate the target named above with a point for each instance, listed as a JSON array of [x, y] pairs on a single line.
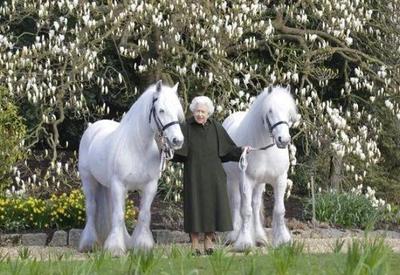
[[117, 157], [264, 126]]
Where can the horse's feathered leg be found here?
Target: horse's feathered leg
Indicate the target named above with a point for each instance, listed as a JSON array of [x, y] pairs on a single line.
[[234, 199], [115, 242], [258, 214], [89, 235], [245, 238], [280, 232], [142, 238], [103, 213]]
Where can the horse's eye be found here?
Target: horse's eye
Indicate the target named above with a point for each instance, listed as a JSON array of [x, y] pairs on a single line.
[[161, 111], [270, 111]]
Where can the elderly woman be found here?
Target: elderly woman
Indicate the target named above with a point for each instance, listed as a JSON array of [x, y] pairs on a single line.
[[206, 146]]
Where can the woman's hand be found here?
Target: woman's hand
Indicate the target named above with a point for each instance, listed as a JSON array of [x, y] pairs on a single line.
[[247, 149]]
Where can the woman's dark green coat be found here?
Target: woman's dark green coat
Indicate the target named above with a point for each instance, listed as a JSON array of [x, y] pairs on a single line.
[[206, 204]]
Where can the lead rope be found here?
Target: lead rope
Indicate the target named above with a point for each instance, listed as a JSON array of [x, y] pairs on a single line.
[[243, 157], [243, 161], [163, 163], [166, 153]]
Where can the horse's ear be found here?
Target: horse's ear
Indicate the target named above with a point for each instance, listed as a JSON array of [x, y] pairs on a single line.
[[158, 86], [288, 88], [175, 88], [269, 89]]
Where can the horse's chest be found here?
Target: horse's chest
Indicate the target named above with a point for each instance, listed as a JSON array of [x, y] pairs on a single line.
[[137, 170], [266, 167]]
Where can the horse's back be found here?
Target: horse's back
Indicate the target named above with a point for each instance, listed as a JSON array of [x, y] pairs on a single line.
[[93, 142], [232, 122]]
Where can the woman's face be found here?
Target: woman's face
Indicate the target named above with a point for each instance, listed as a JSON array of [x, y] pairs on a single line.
[[201, 114]]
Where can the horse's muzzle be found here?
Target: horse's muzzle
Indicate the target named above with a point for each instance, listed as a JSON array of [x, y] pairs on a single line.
[[282, 143], [176, 143]]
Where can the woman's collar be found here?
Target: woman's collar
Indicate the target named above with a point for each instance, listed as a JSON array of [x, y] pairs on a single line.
[[191, 120]]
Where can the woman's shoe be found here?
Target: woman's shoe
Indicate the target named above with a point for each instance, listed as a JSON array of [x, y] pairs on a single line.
[[209, 251], [196, 252]]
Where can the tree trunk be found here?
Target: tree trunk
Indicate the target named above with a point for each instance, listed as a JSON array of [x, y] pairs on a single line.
[[335, 173]]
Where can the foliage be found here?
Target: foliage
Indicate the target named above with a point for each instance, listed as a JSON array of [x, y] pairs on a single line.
[[352, 209], [69, 62], [12, 133], [42, 177], [385, 177], [373, 258], [285, 257], [171, 183], [220, 262], [368, 257], [58, 212]]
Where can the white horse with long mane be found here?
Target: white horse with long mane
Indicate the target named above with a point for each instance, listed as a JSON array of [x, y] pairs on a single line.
[[117, 157], [264, 126]]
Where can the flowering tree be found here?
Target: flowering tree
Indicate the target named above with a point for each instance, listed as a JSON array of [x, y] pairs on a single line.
[[79, 60]]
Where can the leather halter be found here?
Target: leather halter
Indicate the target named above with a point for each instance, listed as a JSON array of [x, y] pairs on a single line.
[[243, 157], [271, 127], [166, 152], [161, 128]]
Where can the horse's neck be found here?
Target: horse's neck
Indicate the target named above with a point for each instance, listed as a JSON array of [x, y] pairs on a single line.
[[136, 129], [255, 133]]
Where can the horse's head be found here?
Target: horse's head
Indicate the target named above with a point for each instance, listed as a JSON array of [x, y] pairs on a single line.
[[280, 114], [166, 113]]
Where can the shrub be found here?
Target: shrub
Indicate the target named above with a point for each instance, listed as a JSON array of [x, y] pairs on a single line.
[[12, 132], [58, 212], [40, 177], [353, 209], [170, 185]]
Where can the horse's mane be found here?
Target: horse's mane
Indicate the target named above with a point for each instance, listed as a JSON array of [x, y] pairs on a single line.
[[266, 98], [278, 94], [142, 104], [136, 120], [133, 122]]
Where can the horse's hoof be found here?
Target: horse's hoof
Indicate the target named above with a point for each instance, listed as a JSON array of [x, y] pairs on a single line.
[[112, 246], [231, 238], [261, 243], [261, 239], [89, 248], [144, 247], [85, 249], [143, 243], [87, 245], [281, 237], [117, 252], [242, 246], [281, 241]]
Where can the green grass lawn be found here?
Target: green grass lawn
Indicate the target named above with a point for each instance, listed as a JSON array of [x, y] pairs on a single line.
[[373, 258]]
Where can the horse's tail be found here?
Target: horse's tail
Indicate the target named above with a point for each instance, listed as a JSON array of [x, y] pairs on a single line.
[[103, 213], [262, 211]]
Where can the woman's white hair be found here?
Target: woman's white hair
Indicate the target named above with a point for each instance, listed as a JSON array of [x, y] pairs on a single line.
[[202, 100]]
